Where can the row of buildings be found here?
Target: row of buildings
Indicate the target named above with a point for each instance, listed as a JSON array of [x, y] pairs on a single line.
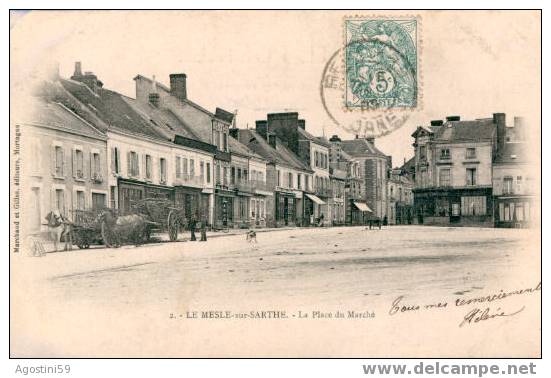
[[88, 147]]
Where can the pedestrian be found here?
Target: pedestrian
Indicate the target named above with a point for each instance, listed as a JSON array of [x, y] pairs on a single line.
[[203, 230], [192, 225]]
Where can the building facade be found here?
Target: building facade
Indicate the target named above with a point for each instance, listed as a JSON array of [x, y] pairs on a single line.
[[374, 166], [513, 183], [453, 171], [63, 161], [400, 197]]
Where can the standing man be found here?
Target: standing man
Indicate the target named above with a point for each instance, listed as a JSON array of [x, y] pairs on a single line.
[[192, 225]]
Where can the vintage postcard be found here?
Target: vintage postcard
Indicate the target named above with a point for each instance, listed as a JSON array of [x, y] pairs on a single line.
[[275, 183]]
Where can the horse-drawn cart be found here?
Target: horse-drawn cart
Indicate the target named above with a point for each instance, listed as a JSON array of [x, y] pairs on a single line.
[[161, 216], [86, 228]]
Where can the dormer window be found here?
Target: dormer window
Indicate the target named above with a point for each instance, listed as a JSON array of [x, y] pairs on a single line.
[[471, 152], [445, 153]]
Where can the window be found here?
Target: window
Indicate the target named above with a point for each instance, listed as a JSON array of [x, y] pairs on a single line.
[[112, 196], [218, 178], [162, 170], [519, 184], [184, 167], [233, 175], [148, 167], [456, 209], [225, 176], [445, 153], [96, 165], [80, 200], [60, 200], [245, 175], [471, 152], [98, 201], [290, 180], [316, 158], [191, 167], [422, 152], [208, 173], [78, 164], [115, 160], [217, 138], [306, 182], [507, 185], [178, 167], [133, 165], [278, 177], [473, 205], [225, 139], [202, 170], [471, 176], [445, 177], [299, 184]]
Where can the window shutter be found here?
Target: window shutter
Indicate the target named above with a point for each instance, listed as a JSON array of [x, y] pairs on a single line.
[[113, 160], [87, 166], [178, 166], [118, 162], [137, 164], [144, 165], [52, 199], [65, 163], [129, 163], [52, 160]]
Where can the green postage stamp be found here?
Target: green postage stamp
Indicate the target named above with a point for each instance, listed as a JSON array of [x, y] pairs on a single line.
[[381, 63]]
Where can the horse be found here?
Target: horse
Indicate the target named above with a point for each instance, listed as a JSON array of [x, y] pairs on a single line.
[[124, 228], [59, 226]]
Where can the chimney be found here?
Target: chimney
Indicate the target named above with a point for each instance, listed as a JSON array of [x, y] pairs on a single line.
[[89, 79], [453, 118], [520, 128], [356, 136], [78, 69], [272, 140], [178, 86], [234, 133], [499, 120], [437, 122], [335, 138], [154, 99], [262, 128], [302, 124]]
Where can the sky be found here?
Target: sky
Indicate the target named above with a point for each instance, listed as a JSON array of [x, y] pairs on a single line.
[[472, 63]]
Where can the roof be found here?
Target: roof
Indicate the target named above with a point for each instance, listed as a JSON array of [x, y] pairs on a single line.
[[279, 155], [319, 140], [361, 147], [114, 110], [56, 115], [512, 152], [241, 149], [466, 131]]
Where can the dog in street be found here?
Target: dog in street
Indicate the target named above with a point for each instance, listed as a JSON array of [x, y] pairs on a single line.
[[251, 236]]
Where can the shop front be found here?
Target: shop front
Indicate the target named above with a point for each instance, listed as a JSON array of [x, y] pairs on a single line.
[[285, 214], [193, 201], [224, 201], [313, 210], [132, 191]]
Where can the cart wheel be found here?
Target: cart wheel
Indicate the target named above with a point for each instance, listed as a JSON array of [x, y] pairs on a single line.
[[173, 223]]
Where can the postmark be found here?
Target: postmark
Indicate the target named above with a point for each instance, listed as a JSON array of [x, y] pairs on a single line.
[[370, 86]]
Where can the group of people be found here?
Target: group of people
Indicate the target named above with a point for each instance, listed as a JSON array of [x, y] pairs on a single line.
[[202, 226]]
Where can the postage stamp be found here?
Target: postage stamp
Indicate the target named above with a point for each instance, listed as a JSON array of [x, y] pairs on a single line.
[[381, 63]]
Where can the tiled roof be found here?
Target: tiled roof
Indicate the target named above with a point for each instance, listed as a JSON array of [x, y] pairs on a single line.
[[466, 131], [280, 155], [56, 115], [361, 147], [241, 149], [512, 153], [113, 109]]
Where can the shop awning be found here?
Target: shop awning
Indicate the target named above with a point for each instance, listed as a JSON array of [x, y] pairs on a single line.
[[315, 199], [362, 206]]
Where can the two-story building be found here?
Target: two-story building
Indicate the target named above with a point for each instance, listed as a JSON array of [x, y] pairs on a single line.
[[287, 177], [453, 171], [63, 161], [513, 181]]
